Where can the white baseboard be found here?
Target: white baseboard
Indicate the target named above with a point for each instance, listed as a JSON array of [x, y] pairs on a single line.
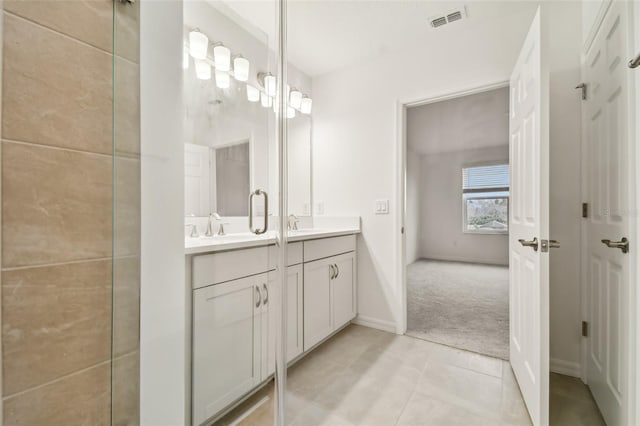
[[464, 259], [565, 367], [375, 323]]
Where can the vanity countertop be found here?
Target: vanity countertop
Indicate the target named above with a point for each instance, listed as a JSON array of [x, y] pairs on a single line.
[[246, 240]]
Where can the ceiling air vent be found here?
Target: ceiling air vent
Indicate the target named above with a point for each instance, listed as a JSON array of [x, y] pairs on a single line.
[[452, 16], [438, 22]]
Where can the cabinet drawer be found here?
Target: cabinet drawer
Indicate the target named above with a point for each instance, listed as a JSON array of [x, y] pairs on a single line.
[[216, 268], [294, 254], [318, 249]]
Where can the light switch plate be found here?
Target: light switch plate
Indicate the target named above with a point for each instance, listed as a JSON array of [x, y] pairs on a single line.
[[381, 207], [319, 208]]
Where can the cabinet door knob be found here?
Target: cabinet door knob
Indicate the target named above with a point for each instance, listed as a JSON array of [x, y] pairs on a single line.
[[337, 271], [332, 272], [259, 297], [266, 294]]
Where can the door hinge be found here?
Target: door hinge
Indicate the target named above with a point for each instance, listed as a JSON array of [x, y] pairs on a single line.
[[585, 209], [585, 329], [583, 87]]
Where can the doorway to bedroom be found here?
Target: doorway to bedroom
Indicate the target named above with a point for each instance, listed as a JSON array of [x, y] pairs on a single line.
[[457, 228]]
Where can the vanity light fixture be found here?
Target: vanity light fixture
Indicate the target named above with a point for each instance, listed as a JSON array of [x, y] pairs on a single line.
[[241, 68], [265, 100], [203, 69], [295, 98], [268, 82], [198, 44], [253, 94], [222, 57], [305, 105], [223, 80]]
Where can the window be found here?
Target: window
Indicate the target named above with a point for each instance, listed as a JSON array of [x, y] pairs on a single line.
[[485, 199]]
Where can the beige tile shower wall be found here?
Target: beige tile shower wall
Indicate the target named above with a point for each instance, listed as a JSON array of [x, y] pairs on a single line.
[[70, 212]]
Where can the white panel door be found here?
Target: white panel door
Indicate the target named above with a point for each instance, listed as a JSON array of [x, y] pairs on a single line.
[[197, 182], [318, 318], [607, 153], [343, 289], [529, 221], [226, 344]]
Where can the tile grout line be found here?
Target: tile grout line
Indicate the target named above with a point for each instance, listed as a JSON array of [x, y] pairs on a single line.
[[57, 379], [67, 36], [55, 147], [54, 264]]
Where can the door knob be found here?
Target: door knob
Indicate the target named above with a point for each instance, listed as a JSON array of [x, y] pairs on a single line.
[[623, 244], [533, 243]]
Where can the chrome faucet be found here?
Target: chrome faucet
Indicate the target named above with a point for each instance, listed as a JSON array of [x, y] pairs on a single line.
[[292, 223], [221, 229], [209, 231]]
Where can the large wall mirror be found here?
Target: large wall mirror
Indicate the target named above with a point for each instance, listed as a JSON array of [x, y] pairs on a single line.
[[229, 133]]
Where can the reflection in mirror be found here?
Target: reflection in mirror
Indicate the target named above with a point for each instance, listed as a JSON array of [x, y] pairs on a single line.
[[299, 155], [230, 147], [232, 179]]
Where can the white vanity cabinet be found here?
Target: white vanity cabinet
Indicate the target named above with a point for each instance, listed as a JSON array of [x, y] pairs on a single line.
[[235, 303], [329, 287], [228, 320]]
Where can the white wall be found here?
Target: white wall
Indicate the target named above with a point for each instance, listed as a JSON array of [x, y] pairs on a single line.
[[441, 236], [414, 189], [163, 379], [356, 155], [355, 151], [565, 134]]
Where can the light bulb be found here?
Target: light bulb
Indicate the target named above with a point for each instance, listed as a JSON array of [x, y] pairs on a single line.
[[270, 84], [253, 94], [185, 57], [265, 100], [198, 44], [305, 105], [291, 112], [241, 68], [222, 57], [223, 81], [295, 98], [203, 69]]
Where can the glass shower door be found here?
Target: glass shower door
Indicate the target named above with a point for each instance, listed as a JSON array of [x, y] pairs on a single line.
[[233, 193]]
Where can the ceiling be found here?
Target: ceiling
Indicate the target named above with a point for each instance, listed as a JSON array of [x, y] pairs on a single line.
[[325, 35], [470, 122]]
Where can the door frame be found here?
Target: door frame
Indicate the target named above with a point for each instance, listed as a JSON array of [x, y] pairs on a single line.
[[401, 172], [633, 131]]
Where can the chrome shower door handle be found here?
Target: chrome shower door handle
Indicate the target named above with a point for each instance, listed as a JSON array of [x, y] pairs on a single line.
[[623, 244], [258, 231], [533, 243]]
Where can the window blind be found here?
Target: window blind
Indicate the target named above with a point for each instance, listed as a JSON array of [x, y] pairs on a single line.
[[485, 178]]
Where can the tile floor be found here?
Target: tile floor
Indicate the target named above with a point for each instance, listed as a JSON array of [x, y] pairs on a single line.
[[368, 377], [571, 403]]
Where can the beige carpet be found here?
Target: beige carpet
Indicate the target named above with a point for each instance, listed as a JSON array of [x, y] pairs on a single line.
[[464, 305]]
